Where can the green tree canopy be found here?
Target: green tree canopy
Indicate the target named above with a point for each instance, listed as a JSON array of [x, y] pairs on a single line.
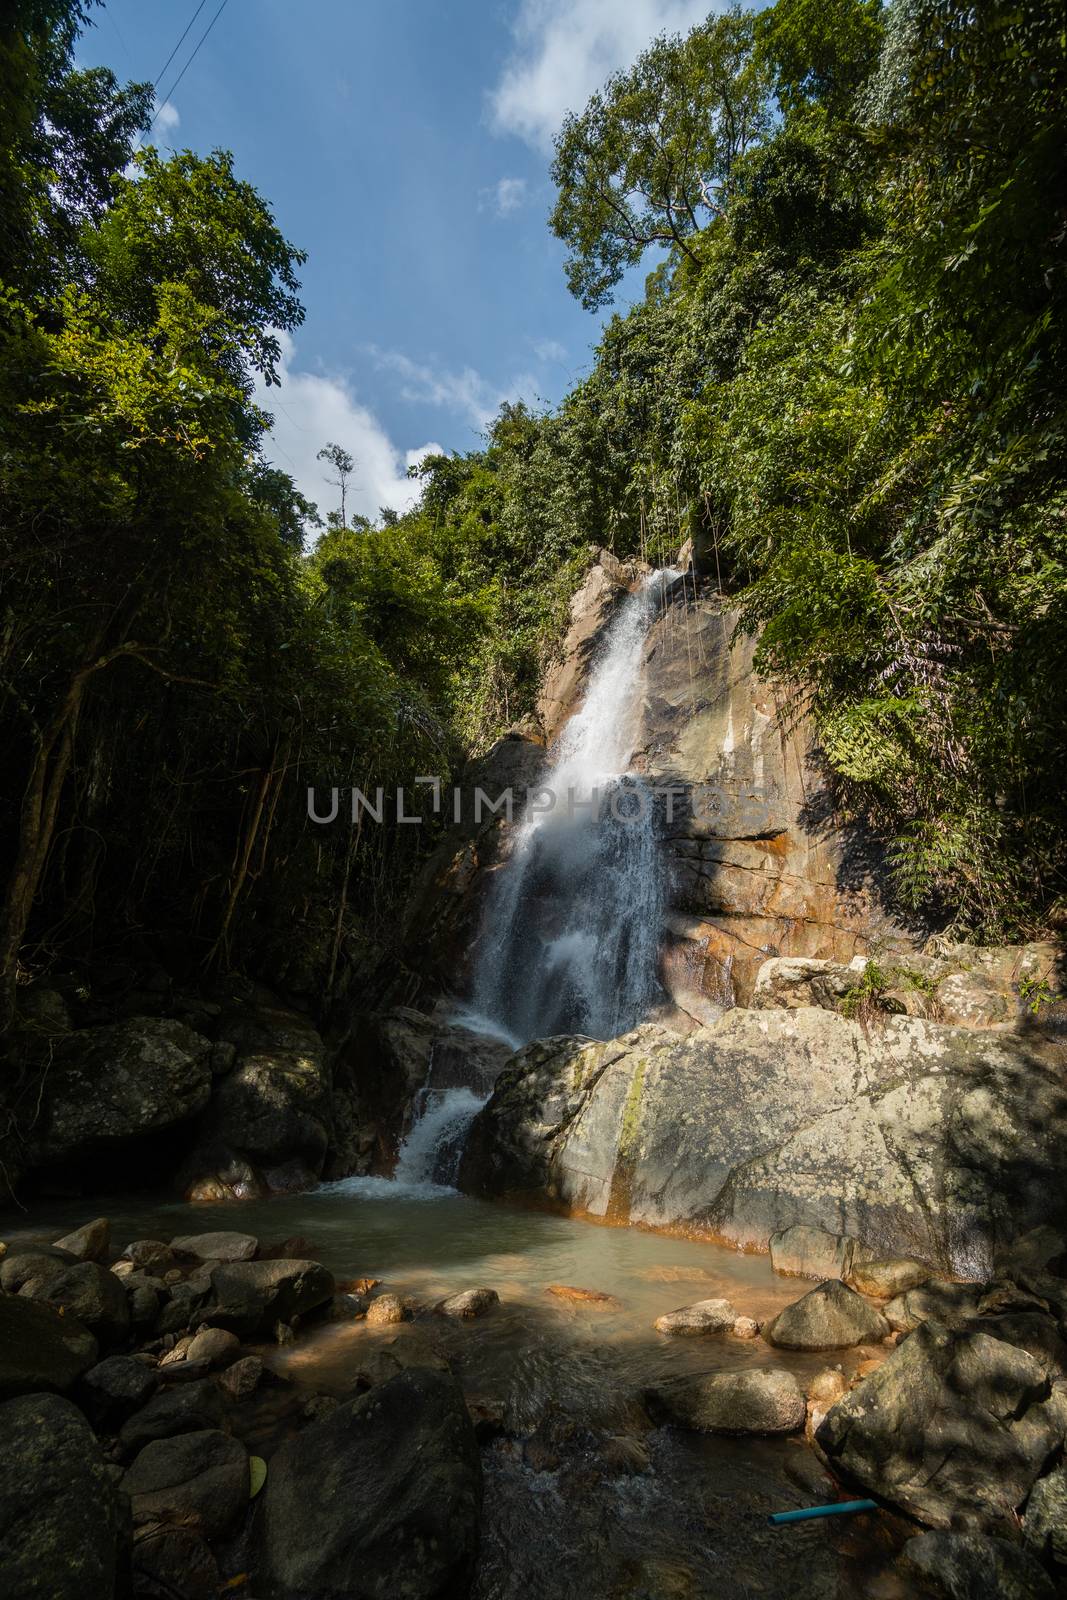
[[651, 158]]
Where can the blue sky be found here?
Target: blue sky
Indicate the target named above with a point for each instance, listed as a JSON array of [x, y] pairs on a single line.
[[405, 146]]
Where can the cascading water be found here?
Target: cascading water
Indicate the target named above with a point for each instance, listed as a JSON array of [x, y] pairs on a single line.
[[431, 1151], [572, 927]]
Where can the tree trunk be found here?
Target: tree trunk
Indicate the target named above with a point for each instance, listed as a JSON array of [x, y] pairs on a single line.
[[37, 820]]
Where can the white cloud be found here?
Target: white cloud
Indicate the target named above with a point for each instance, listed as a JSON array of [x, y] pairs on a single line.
[[504, 197], [310, 410], [167, 119], [550, 350], [467, 392], [564, 50], [415, 458]]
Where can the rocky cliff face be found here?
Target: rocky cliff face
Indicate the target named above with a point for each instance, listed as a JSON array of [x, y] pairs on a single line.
[[756, 869]]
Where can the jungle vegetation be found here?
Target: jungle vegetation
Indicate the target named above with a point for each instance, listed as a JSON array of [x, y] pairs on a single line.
[[845, 382]]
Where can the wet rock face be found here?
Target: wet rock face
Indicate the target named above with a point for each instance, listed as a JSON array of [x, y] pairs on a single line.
[[398, 1489], [381, 1067], [593, 606], [761, 1401], [917, 1139], [63, 1523], [954, 1428], [444, 918]]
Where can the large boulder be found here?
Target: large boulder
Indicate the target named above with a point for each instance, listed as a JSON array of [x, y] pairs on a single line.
[[217, 1346], [831, 1317], [114, 1389], [35, 1265], [952, 1304], [267, 1128], [793, 981], [63, 1523], [110, 1088], [95, 1296], [974, 1000], [40, 1349], [251, 1296], [1033, 1331], [397, 1496], [953, 1428], [187, 1408], [804, 1252], [889, 1277], [912, 1137], [199, 1480], [762, 1400], [972, 1566]]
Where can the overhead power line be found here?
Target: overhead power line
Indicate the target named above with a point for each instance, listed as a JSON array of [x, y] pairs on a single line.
[[158, 77], [196, 51]]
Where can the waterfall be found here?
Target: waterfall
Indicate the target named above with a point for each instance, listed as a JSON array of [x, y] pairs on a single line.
[[571, 930], [434, 1144], [572, 925]]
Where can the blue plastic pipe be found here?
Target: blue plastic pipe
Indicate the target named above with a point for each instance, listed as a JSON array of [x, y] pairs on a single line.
[[838, 1508]]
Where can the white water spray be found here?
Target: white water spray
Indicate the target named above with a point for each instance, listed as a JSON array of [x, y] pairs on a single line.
[[434, 1144], [572, 927]]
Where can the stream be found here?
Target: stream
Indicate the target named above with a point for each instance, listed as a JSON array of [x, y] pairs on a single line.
[[581, 1493]]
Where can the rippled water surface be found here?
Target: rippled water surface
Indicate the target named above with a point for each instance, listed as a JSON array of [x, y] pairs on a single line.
[[582, 1492]]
